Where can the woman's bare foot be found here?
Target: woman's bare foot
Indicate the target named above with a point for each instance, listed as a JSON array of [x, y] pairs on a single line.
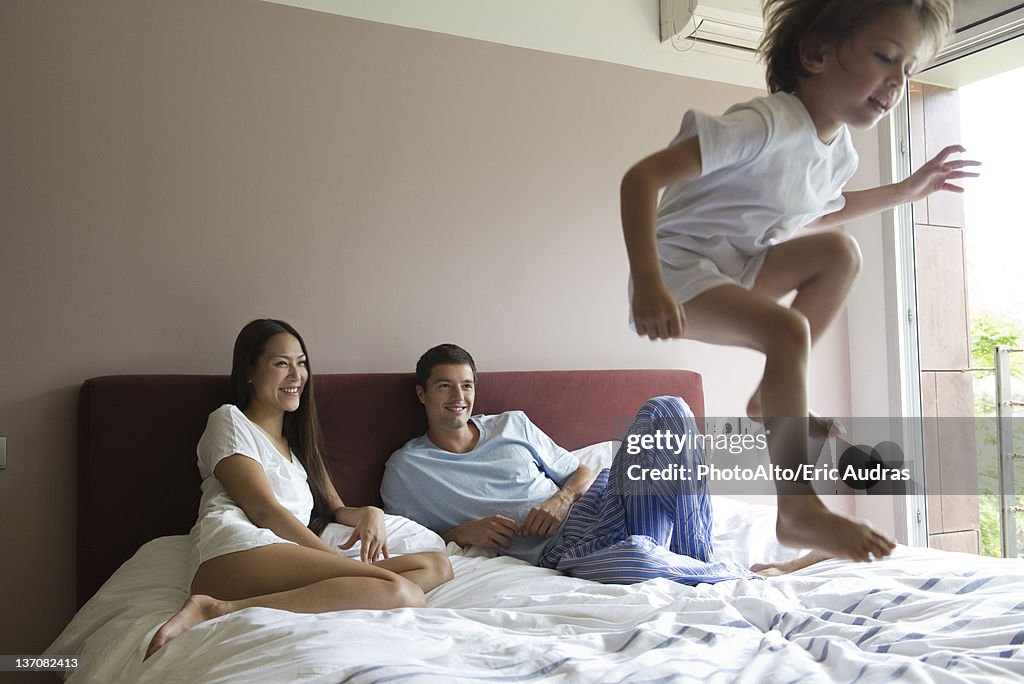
[[786, 567], [805, 522], [197, 608]]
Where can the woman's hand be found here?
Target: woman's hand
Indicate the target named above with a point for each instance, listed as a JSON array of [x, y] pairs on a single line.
[[371, 534], [656, 313]]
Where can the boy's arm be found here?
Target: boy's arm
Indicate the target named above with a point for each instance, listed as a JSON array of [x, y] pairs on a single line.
[[932, 177], [656, 313], [860, 203]]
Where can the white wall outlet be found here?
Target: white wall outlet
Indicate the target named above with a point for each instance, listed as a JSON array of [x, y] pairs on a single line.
[[722, 426], [751, 427]]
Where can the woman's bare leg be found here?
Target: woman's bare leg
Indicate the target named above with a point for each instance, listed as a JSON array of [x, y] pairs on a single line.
[[301, 580], [786, 567], [427, 569], [731, 315]]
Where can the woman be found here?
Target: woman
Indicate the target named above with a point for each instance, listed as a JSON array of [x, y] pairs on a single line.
[[267, 496]]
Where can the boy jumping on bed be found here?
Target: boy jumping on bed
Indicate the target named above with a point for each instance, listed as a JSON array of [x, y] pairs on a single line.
[[710, 261]]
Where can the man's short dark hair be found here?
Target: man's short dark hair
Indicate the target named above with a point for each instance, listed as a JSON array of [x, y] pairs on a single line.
[[440, 355]]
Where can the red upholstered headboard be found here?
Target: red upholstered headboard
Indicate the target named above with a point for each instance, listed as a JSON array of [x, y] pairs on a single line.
[[137, 434]]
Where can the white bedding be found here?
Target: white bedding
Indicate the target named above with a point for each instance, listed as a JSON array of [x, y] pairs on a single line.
[[921, 616]]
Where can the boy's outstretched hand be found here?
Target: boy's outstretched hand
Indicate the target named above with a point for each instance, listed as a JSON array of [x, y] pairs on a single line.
[[937, 174]]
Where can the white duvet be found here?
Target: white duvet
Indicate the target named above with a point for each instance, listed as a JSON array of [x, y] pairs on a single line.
[[920, 616]]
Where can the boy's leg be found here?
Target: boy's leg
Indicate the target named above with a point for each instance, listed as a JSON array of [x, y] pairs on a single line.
[[821, 268], [734, 316]]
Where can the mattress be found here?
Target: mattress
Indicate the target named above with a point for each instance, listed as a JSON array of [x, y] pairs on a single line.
[[920, 616]]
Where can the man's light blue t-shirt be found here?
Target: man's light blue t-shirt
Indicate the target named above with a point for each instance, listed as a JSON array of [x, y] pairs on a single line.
[[513, 467]]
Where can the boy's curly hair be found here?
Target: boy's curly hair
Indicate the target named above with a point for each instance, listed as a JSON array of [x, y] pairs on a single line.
[[789, 23]]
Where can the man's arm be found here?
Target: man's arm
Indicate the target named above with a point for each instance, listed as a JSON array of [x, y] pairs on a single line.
[[544, 519], [932, 177], [492, 532]]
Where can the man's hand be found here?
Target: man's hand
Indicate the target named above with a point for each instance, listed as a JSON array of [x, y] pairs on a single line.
[[544, 519], [492, 532]]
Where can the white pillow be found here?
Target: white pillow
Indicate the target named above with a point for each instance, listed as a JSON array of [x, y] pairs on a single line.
[[404, 536], [598, 456], [744, 533]]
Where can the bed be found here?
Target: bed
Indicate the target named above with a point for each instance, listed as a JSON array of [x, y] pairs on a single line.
[[922, 615]]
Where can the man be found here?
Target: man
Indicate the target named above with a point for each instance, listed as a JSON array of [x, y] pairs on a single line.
[[499, 482]]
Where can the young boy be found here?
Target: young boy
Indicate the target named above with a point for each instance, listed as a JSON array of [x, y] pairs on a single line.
[[711, 260]]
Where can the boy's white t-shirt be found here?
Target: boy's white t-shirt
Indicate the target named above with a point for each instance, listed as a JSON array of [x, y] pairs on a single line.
[[223, 527], [764, 174]]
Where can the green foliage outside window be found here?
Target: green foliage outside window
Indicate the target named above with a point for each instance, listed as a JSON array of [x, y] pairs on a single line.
[[987, 331]]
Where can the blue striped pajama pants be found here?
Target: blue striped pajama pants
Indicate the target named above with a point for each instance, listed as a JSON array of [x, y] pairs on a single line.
[[623, 531]]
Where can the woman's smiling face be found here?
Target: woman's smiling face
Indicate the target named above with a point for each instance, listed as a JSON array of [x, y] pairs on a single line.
[[280, 375]]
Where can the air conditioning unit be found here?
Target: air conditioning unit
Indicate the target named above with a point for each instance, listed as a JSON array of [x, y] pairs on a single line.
[[981, 24], [733, 23]]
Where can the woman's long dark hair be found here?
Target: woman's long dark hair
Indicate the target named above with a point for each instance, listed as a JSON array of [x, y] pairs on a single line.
[[302, 426]]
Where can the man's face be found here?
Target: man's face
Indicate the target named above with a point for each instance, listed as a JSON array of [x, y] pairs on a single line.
[[448, 396]]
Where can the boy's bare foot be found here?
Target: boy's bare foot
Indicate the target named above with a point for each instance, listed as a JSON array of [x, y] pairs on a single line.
[[805, 522], [786, 567], [821, 426], [197, 608]]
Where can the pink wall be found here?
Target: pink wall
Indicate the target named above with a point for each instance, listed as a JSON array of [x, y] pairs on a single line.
[[175, 169]]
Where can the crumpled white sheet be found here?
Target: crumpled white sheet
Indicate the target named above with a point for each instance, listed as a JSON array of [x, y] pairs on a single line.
[[920, 616]]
